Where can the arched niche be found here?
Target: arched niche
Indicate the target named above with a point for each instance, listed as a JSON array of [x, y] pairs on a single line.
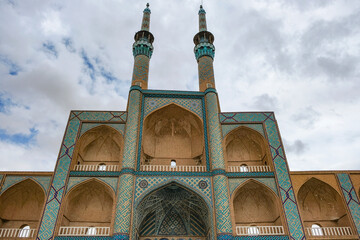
[[321, 204], [173, 133], [22, 204], [245, 146], [90, 204], [172, 211], [255, 204], [100, 145]]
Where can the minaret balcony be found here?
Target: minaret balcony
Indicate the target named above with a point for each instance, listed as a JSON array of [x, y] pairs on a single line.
[[169, 168], [259, 230], [97, 168], [84, 231], [245, 168], [26, 233], [329, 233]]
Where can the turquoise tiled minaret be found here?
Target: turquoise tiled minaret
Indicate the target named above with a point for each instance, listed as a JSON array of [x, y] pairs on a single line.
[[204, 52], [142, 51]]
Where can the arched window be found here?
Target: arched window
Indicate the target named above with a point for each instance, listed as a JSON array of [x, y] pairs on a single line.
[[102, 167], [316, 230], [244, 168], [173, 163], [91, 231], [25, 231], [253, 231]]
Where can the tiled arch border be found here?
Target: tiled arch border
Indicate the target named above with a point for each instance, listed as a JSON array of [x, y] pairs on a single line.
[[282, 176], [60, 177]]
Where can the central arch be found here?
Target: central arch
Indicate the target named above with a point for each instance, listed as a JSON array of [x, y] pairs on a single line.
[[172, 211]]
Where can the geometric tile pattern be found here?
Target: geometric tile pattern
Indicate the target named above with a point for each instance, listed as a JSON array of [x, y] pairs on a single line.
[[120, 127], [189, 182], [281, 169], [131, 132], [84, 238], [206, 70], [57, 189], [351, 198], [141, 68], [222, 208], [226, 128], [234, 183], [193, 105], [261, 238], [112, 182], [43, 181], [216, 150], [123, 204]]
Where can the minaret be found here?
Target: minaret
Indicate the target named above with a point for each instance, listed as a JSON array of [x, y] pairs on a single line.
[[142, 51], [204, 52]]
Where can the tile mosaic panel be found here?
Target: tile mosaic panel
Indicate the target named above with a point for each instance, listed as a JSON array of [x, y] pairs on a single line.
[[131, 132], [235, 182], [238, 117], [111, 181], [153, 103], [87, 126], [222, 207], [351, 198], [214, 128], [123, 204], [229, 127], [43, 181], [108, 116]]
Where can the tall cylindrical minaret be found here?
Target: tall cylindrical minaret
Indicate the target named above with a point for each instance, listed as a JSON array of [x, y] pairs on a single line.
[[204, 52], [142, 51]]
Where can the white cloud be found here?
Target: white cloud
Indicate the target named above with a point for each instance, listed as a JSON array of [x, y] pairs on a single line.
[[299, 59]]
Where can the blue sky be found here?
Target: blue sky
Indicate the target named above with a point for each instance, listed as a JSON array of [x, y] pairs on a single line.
[[300, 59]]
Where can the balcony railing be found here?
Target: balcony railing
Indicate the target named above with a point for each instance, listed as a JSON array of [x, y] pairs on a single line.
[[260, 168], [168, 168], [329, 232], [17, 233], [84, 231], [259, 230], [97, 168]]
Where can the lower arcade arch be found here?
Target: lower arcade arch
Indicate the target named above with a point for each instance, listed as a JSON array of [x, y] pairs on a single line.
[[21, 205], [322, 205], [89, 204], [254, 204], [172, 211]]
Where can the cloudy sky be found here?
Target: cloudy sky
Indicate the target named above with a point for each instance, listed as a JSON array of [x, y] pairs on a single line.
[[298, 58]]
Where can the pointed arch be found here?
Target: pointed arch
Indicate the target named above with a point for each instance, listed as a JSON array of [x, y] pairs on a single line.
[[173, 210], [89, 204], [101, 144], [255, 203], [89, 180], [320, 202], [246, 146], [22, 204], [172, 132]]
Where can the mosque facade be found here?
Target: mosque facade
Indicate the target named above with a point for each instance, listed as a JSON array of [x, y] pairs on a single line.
[[174, 167]]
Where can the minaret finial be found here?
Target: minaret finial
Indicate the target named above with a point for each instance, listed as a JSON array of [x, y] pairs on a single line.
[[147, 5]]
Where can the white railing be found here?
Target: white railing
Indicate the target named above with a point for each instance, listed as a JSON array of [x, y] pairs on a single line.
[[84, 231], [329, 231], [168, 168], [260, 168], [259, 230], [97, 168], [17, 233], [174, 238]]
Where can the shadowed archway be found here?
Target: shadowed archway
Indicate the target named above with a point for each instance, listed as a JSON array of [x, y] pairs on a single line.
[[172, 210]]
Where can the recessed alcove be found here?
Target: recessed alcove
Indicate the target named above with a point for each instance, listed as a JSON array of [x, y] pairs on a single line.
[[173, 133], [256, 205], [100, 146], [246, 147], [89, 204], [21, 205], [321, 204]]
